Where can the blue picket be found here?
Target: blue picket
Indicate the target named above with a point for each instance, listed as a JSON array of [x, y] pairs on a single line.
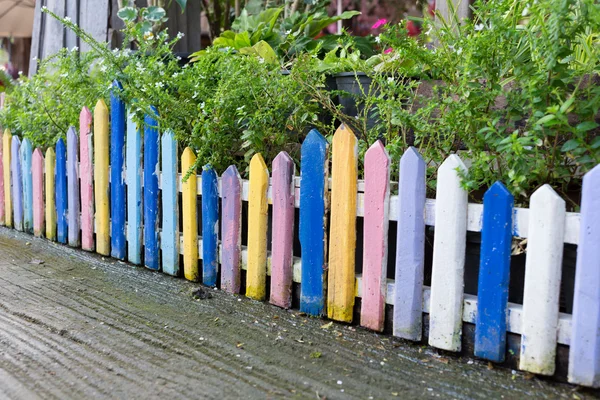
[[118, 243], [169, 239], [151, 171], [17, 183], [27, 186], [61, 192], [210, 226], [312, 226], [134, 192], [73, 184], [494, 269]]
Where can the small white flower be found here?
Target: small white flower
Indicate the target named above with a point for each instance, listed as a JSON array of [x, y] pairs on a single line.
[[202, 105], [20, 72], [176, 74], [525, 11], [378, 39], [180, 35], [67, 19], [159, 84], [178, 58], [459, 51], [103, 68], [479, 27], [390, 80], [240, 108], [34, 58], [44, 9], [75, 48], [288, 31], [261, 60], [429, 30], [195, 94]]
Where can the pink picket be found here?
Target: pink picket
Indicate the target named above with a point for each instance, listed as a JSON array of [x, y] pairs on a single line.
[[376, 221], [37, 167], [86, 169], [2, 208], [282, 244]]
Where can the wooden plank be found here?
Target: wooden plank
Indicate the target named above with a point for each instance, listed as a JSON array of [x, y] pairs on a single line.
[[101, 183], [61, 192], [282, 244], [313, 223], [410, 247], [72, 11], [17, 179], [231, 230], [37, 37], [37, 166], [6, 163], [210, 226], [257, 229], [494, 270], [169, 238], [135, 175], [73, 185], [190, 217], [93, 18], [2, 198], [86, 171], [341, 282], [376, 223], [584, 354], [118, 204], [25, 155], [50, 164], [151, 172], [445, 319], [54, 32], [542, 281]]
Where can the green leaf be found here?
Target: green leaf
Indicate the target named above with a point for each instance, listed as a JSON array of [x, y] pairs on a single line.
[[182, 4], [595, 143], [128, 14], [567, 104], [586, 126], [154, 14], [570, 145], [545, 119], [242, 40]]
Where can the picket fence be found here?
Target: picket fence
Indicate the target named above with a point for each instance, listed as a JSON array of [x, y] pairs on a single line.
[[103, 190]]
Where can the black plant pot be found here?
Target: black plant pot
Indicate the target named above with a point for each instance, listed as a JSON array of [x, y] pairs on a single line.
[[354, 86]]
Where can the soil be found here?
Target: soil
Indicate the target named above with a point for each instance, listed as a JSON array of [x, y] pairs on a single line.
[[75, 325]]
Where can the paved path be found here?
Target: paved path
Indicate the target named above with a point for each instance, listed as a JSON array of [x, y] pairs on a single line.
[[74, 326]]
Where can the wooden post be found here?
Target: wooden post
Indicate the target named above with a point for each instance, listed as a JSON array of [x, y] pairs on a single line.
[[118, 203], [37, 166], [86, 170], [101, 185], [25, 155], [446, 304], [61, 192], [17, 179], [169, 239], [50, 193], [410, 247], [231, 230], [190, 217], [341, 280], [375, 251], [151, 172], [313, 224], [6, 162], [135, 175], [73, 184], [257, 229], [210, 226], [282, 243]]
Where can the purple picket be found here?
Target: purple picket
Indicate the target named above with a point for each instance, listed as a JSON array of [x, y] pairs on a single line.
[[410, 247], [17, 183], [231, 230], [73, 185], [584, 355], [283, 230]]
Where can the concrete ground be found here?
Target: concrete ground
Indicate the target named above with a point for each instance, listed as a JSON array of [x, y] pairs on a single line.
[[74, 325]]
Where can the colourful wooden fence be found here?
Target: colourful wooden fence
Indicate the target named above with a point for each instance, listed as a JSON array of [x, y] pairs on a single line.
[[134, 213]]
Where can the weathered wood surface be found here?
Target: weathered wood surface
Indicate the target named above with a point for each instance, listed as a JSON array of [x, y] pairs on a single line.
[[135, 176], [190, 217], [73, 187], [410, 247], [101, 184], [151, 172], [118, 243], [86, 172], [210, 226], [282, 243], [37, 166], [6, 162], [169, 238], [341, 278], [80, 327], [231, 230], [257, 229], [375, 234], [50, 186]]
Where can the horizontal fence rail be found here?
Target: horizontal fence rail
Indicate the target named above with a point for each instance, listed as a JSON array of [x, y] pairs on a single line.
[[124, 190]]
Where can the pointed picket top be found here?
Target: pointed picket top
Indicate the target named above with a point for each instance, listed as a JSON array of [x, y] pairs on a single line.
[[231, 229], [313, 197], [410, 247], [257, 229], [584, 353], [37, 170], [73, 187], [85, 120], [210, 225], [376, 222], [282, 243], [100, 107], [543, 267], [341, 286], [447, 277], [494, 267]]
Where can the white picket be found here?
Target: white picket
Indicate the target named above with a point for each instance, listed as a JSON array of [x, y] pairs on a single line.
[[445, 318], [542, 281]]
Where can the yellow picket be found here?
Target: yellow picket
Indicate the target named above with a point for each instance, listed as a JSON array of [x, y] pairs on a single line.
[[190, 223], [6, 145], [50, 162], [342, 245], [257, 229], [101, 185]]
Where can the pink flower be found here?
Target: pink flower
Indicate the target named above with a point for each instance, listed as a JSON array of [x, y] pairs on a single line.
[[379, 23], [388, 51]]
